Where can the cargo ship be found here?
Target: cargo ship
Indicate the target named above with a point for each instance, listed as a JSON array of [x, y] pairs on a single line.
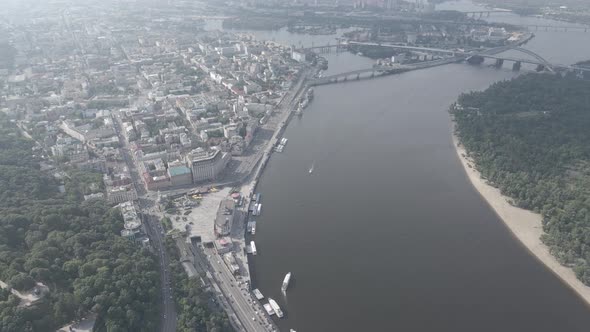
[[286, 282], [275, 307]]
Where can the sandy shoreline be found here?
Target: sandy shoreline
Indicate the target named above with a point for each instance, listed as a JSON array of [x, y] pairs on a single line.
[[525, 225]]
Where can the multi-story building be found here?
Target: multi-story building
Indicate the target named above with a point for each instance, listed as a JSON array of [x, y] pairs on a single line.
[[206, 165], [120, 194], [94, 165], [133, 226]]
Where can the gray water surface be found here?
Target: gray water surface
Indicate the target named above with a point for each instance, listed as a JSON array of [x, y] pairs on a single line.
[[387, 233]]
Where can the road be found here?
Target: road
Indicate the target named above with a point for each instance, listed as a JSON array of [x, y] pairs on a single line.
[[155, 233], [249, 312]]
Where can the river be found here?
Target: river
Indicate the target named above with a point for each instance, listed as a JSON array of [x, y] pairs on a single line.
[[387, 234]]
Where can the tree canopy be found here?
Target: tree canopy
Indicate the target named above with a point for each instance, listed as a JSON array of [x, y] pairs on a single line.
[[70, 245], [530, 137]]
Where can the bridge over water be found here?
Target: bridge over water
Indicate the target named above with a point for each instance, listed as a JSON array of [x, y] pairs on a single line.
[[453, 56], [378, 71]]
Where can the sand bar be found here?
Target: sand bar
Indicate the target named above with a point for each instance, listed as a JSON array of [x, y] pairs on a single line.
[[524, 224]]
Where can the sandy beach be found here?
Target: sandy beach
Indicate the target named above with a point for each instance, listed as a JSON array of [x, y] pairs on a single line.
[[525, 225]]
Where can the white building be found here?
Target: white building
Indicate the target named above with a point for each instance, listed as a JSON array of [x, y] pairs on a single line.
[[206, 165]]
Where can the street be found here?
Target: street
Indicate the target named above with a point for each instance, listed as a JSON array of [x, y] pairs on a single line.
[[155, 233]]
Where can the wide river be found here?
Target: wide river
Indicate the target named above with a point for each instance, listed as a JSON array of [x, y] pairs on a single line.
[[387, 233]]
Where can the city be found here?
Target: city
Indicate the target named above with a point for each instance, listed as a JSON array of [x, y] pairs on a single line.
[[161, 118]]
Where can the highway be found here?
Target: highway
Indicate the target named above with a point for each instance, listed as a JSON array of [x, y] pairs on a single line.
[[156, 235]]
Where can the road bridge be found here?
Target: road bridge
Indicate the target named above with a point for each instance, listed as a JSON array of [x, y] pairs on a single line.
[[473, 57], [486, 13], [378, 71]]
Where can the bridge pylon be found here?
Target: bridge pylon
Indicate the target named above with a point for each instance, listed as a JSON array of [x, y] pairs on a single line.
[[516, 66]]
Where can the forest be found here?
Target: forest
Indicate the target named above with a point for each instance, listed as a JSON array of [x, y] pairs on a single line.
[[530, 137], [70, 245]]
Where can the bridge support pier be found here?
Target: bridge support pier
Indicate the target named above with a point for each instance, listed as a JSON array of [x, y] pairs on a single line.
[[475, 60], [516, 66], [499, 63], [540, 68], [358, 77]]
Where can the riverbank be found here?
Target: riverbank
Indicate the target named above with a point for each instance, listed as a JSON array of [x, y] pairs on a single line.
[[525, 225]]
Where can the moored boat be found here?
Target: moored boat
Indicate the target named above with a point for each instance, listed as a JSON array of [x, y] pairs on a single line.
[[253, 248], [268, 309], [258, 294], [275, 306]]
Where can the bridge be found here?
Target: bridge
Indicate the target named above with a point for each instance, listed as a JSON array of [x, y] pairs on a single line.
[[378, 71], [343, 46], [472, 56], [455, 57], [486, 13]]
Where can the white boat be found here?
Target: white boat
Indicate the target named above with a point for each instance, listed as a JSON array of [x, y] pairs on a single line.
[[286, 282], [275, 307], [253, 248], [258, 294], [257, 208], [311, 168], [253, 230], [284, 141], [268, 309]]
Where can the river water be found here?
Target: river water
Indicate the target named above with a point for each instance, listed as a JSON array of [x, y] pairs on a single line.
[[387, 233]]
